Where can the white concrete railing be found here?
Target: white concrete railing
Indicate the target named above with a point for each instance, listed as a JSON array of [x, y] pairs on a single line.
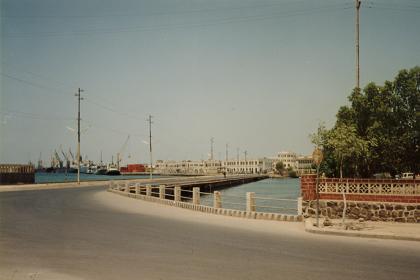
[[251, 204], [370, 187]]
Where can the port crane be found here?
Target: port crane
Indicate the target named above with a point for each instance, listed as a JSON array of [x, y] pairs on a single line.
[[119, 154], [66, 157], [72, 156], [58, 159], [40, 166]]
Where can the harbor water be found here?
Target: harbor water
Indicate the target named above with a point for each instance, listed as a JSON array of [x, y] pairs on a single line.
[[269, 195], [269, 192], [41, 177]]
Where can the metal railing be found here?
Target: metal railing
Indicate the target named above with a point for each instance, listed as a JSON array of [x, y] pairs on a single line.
[[248, 203]]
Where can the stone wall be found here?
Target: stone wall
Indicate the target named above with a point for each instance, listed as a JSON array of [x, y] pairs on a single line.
[[372, 211], [375, 200]]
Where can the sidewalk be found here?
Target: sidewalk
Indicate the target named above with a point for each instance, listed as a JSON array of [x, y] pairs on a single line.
[[368, 229]]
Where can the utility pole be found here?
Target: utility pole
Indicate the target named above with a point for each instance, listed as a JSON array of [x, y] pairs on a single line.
[[237, 154], [358, 4], [245, 154], [211, 148], [78, 94], [149, 119], [227, 152]]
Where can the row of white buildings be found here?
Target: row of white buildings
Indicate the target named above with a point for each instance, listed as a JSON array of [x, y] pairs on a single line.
[[300, 164]]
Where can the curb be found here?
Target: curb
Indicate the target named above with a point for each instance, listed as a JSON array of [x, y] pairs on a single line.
[[311, 229]]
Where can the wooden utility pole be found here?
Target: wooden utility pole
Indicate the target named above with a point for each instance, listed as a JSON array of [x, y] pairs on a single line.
[[149, 119], [78, 94], [358, 4], [211, 148]]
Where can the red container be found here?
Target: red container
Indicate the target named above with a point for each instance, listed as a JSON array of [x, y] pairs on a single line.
[[136, 168]]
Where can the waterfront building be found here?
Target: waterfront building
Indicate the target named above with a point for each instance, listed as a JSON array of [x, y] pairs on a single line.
[[186, 167], [300, 164], [288, 159], [209, 167], [304, 165], [249, 166]]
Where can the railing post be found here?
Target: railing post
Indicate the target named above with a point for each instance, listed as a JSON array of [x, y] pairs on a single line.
[[148, 190], [217, 200], [138, 188], [196, 195], [299, 205], [177, 193], [250, 202], [127, 187], [162, 191]]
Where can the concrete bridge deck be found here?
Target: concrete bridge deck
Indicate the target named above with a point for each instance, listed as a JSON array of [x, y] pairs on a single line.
[[218, 181]]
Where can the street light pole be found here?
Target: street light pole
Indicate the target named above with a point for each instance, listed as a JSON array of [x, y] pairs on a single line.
[[78, 94], [150, 146]]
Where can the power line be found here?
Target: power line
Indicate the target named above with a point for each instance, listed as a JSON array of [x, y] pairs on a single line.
[[21, 114], [112, 110], [60, 91], [174, 26], [65, 93], [48, 78], [153, 14]]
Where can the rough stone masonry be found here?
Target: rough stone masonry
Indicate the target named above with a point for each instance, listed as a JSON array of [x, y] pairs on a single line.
[[396, 208]]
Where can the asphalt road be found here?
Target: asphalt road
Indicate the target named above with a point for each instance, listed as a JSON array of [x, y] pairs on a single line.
[[71, 234]]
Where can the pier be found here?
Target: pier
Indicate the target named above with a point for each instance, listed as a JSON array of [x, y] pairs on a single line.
[[16, 174], [187, 194]]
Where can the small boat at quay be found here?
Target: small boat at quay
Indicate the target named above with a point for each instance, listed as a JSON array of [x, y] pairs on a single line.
[[112, 170]]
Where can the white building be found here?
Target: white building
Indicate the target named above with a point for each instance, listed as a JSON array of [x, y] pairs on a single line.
[[188, 167], [250, 166], [300, 164], [288, 159], [304, 165], [209, 167]]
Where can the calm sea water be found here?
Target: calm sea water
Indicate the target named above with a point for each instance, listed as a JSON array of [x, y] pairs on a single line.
[[232, 198], [72, 177], [235, 197]]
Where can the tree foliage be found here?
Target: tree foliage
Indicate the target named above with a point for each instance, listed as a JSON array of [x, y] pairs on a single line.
[[280, 167], [378, 132]]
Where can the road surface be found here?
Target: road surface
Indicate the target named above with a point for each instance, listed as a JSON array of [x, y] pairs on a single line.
[[88, 233]]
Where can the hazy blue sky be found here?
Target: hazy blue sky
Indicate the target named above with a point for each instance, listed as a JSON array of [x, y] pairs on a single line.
[[257, 74]]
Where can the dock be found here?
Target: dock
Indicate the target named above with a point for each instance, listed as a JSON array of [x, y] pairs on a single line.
[[12, 174]]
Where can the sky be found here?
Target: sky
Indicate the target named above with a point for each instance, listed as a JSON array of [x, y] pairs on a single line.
[[258, 75]]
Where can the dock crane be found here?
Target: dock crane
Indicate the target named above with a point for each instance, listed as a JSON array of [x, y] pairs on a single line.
[[65, 157], [72, 156], [40, 166], [57, 157], [119, 154]]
